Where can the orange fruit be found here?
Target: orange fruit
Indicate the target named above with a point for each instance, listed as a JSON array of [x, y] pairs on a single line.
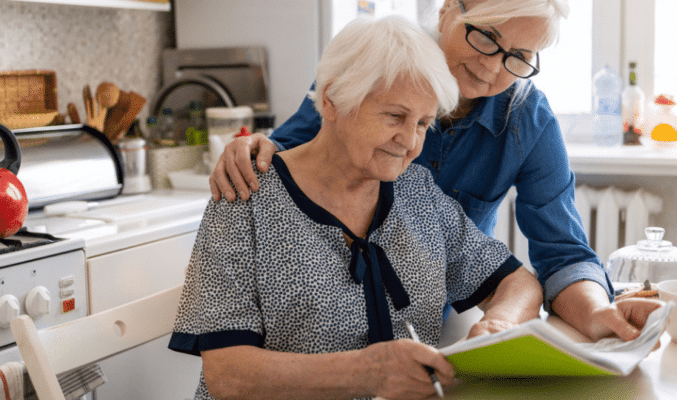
[[664, 133]]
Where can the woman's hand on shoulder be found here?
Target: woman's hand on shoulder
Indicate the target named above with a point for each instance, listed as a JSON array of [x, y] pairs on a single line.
[[396, 369], [234, 165]]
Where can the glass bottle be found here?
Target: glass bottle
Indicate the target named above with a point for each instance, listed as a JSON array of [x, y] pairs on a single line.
[[632, 101], [166, 128], [196, 133]]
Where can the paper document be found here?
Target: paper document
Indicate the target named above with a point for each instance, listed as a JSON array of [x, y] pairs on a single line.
[[536, 348]]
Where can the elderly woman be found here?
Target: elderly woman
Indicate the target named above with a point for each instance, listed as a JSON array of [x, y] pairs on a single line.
[[300, 291], [502, 134]]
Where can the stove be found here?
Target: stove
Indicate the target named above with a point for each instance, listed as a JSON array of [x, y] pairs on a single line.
[[43, 276]]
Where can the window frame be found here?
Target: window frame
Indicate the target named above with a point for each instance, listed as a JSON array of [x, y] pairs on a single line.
[[623, 31]]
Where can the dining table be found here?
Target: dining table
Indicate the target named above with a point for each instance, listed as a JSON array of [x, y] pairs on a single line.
[[654, 378]]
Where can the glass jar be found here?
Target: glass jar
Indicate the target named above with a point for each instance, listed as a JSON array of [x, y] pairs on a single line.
[[661, 123], [653, 259]]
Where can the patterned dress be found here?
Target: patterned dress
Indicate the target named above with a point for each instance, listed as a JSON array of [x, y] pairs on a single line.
[[275, 271]]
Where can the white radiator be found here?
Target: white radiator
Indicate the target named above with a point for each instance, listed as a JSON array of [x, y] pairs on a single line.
[[612, 219]]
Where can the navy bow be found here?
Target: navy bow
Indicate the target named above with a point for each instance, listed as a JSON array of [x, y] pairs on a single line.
[[376, 274]]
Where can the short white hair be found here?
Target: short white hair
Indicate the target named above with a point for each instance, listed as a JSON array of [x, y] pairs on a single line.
[[494, 12], [368, 55]]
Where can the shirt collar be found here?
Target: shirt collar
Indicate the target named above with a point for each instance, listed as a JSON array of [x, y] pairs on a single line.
[[490, 112]]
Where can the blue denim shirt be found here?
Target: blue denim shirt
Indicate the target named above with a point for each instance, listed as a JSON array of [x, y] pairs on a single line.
[[479, 158]]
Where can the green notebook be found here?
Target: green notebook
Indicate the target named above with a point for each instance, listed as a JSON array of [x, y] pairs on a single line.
[[536, 348]]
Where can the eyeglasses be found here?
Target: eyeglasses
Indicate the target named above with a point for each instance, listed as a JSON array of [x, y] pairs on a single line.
[[513, 62]]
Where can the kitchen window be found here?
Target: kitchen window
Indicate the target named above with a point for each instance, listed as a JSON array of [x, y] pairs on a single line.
[[613, 32]]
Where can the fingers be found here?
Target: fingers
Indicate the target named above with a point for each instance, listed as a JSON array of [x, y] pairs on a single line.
[[266, 150], [233, 174], [627, 317], [400, 372], [426, 355], [214, 188]]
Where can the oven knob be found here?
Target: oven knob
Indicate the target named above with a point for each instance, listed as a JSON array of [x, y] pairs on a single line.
[[38, 301], [9, 309]]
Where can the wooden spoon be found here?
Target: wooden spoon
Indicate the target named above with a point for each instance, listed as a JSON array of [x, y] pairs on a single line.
[[73, 113], [107, 94]]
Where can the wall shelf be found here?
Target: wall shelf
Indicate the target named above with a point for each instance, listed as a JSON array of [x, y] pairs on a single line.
[[129, 4], [625, 160]]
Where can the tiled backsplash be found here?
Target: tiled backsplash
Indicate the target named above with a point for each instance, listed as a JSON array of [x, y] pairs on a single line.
[[86, 45]]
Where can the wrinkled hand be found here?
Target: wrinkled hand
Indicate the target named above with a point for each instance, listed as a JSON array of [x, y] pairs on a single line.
[[485, 327], [235, 164], [624, 318], [397, 369]]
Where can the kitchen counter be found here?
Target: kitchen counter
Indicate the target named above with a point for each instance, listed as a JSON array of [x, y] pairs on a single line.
[[654, 379]]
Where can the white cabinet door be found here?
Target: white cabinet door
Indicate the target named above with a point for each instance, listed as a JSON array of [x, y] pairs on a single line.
[[151, 371], [123, 276]]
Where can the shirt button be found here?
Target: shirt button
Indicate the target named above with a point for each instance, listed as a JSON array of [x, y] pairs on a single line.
[[451, 132], [435, 164]]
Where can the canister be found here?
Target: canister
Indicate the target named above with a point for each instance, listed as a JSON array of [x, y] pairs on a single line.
[[223, 124]]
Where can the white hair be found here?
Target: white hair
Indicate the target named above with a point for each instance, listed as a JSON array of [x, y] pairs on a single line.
[[368, 55], [494, 12]]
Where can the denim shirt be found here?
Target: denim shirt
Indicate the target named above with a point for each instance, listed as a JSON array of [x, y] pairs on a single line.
[[479, 158]]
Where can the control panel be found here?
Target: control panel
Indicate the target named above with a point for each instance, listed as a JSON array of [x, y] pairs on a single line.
[[51, 290]]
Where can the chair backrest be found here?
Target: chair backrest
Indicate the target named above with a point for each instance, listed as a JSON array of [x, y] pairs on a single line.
[[61, 348]]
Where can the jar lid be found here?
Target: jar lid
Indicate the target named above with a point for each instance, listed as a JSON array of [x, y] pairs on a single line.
[[654, 248], [239, 112]]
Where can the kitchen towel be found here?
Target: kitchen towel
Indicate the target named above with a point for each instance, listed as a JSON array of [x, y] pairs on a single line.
[[12, 376], [74, 384], [81, 381]]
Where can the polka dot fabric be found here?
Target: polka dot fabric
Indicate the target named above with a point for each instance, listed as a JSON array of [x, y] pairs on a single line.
[[264, 273]]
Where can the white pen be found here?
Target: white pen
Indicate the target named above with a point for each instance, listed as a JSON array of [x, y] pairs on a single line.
[[430, 370]]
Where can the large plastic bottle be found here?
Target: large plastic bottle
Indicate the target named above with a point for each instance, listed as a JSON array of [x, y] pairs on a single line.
[[606, 103]]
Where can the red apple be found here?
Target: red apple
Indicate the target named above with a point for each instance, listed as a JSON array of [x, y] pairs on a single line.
[[13, 203]]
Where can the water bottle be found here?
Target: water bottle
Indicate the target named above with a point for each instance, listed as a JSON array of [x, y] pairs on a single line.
[[166, 128], [606, 103]]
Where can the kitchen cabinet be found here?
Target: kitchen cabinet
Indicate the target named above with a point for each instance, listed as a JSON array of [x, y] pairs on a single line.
[[152, 5]]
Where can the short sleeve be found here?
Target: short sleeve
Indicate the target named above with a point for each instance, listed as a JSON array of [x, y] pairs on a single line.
[[476, 263], [219, 306]]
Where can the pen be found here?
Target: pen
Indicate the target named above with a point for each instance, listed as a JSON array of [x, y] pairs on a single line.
[[430, 370]]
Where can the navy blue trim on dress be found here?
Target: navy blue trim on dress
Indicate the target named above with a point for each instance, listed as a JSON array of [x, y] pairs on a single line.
[[194, 344], [489, 285], [369, 264]]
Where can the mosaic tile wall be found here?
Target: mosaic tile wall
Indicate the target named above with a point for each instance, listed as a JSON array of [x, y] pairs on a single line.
[[86, 45]]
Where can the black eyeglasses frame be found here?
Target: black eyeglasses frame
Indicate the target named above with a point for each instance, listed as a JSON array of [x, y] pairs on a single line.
[[470, 28]]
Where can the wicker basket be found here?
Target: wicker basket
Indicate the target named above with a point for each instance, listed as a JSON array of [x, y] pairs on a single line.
[[27, 98]]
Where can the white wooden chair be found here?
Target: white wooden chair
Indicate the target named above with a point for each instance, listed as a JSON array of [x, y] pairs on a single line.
[[61, 348]]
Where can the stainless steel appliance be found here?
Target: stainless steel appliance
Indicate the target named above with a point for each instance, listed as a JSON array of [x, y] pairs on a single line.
[[294, 34], [67, 162], [213, 77]]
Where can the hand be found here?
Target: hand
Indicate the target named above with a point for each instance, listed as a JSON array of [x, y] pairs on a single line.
[[488, 326], [235, 163], [397, 369], [624, 318]]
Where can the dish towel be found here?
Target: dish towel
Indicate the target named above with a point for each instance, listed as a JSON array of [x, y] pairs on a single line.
[[74, 384], [12, 376]]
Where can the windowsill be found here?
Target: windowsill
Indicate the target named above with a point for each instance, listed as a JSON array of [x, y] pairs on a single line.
[[624, 160]]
